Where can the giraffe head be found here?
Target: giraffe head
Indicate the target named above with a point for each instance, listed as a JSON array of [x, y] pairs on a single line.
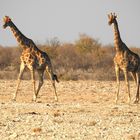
[[111, 18], [7, 21]]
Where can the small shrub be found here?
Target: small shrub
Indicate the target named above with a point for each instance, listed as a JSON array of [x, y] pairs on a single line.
[[85, 59]]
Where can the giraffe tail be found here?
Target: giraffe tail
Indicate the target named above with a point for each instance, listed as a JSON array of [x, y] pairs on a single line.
[[55, 78]]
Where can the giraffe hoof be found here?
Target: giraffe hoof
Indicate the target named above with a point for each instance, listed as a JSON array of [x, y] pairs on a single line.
[[116, 101], [14, 99], [34, 100], [129, 100], [56, 99]]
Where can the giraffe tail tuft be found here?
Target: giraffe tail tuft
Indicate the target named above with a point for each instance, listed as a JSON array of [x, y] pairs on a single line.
[[55, 78]]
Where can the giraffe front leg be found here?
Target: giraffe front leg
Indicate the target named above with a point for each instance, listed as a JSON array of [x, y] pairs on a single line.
[[127, 85], [137, 94], [33, 81], [22, 67], [117, 70]]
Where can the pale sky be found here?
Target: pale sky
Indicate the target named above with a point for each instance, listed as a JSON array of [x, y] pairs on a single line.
[[66, 19]]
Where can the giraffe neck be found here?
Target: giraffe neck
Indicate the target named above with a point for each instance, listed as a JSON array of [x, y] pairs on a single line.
[[24, 42], [117, 38], [17, 33]]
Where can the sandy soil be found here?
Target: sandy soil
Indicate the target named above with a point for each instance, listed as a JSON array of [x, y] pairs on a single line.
[[85, 111]]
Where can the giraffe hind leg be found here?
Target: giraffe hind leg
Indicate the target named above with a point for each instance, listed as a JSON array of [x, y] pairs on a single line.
[[138, 84], [40, 73], [22, 67], [127, 85], [33, 81], [53, 78], [133, 74], [117, 70]]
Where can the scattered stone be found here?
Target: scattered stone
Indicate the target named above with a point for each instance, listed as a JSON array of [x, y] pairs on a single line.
[[37, 130], [79, 114], [13, 136]]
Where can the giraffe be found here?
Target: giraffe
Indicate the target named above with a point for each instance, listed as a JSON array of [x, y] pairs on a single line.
[[124, 60], [33, 59]]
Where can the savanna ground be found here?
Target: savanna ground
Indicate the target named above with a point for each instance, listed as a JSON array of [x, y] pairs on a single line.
[[85, 111]]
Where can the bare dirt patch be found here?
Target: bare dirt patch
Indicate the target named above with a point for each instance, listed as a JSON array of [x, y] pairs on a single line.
[[85, 111]]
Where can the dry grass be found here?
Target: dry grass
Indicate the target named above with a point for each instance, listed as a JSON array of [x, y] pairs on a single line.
[[86, 59]]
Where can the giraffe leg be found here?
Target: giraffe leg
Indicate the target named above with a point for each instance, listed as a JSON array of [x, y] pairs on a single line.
[[137, 95], [33, 81], [133, 74], [22, 67], [117, 70], [40, 73], [127, 85], [50, 72]]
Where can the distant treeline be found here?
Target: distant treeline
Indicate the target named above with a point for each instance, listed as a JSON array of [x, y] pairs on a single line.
[[84, 59]]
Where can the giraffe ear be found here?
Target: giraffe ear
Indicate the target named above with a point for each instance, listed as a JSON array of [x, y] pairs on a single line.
[[108, 16]]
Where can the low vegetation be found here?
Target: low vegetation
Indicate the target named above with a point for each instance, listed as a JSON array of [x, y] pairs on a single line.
[[84, 59]]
